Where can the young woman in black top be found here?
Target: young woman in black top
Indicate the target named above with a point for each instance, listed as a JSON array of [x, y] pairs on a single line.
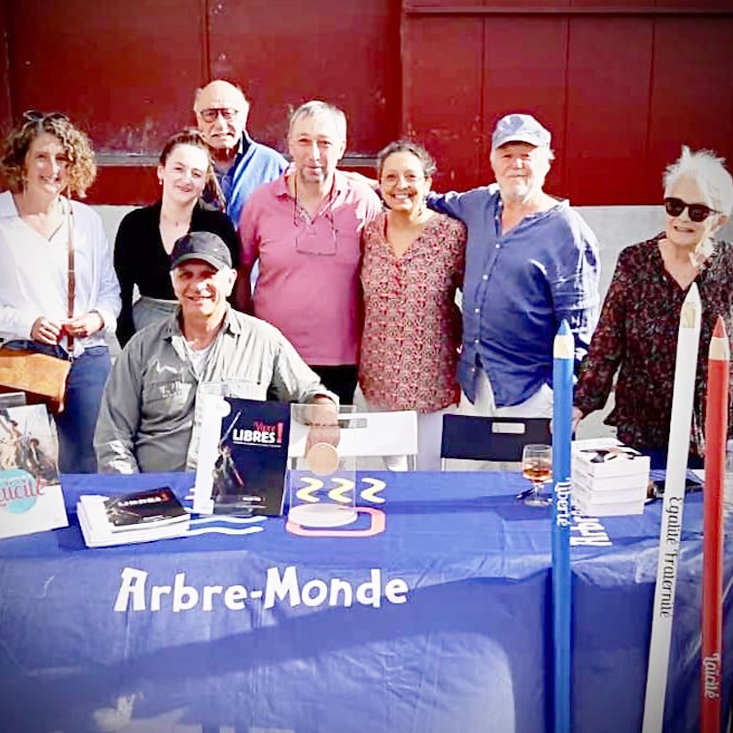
[[146, 236]]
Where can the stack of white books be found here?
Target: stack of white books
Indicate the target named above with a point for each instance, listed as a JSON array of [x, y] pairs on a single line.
[[143, 516], [608, 477]]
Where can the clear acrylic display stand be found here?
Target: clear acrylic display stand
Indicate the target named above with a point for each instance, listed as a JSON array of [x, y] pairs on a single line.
[[322, 481]]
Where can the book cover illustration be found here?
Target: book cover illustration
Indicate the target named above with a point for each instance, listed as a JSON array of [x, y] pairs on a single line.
[[242, 457], [131, 518], [155, 506], [615, 453], [31, 499]]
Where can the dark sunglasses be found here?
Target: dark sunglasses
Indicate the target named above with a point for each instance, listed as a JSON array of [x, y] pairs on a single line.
[[696, 212]]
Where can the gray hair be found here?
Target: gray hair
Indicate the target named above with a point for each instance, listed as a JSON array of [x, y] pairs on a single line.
[[710, 174], [316, 107]]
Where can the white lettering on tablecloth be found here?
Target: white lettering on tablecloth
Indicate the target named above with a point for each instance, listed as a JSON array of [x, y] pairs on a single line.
[[137, 594], [591, 532]]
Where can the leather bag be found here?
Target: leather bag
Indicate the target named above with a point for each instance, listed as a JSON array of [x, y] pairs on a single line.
[[40, 376]]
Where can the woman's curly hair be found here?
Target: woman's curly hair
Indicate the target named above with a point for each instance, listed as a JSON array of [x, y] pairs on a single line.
[[82, 169]]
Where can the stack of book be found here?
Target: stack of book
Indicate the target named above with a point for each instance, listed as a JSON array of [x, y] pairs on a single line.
[[140, 517], [608, 477]]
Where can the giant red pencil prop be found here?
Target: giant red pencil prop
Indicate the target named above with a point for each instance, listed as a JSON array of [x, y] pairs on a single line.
[[716, 434]]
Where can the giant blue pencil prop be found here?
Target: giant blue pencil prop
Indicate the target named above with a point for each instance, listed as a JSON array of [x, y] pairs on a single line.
[[562, 421], [688, 338]]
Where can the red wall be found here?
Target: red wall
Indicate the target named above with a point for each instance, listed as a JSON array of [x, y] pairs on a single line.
[[620, 84]]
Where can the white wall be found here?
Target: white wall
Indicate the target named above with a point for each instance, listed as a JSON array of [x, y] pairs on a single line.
[[615, 226]]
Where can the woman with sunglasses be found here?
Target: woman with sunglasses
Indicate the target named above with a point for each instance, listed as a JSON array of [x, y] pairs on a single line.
[[637, 331], [44, 161], [146, 236], [413, 264]]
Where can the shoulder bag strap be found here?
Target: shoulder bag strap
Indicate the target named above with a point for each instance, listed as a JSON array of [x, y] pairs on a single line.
[[72, 275]]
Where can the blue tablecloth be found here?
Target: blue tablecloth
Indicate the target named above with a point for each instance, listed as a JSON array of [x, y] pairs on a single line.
[[459, 642]]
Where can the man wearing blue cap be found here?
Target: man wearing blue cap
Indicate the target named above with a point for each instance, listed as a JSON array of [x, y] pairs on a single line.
[[148, 419], [531, 261]]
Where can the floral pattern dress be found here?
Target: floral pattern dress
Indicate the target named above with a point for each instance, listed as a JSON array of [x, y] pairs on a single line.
[[412, 330], [637, 336]]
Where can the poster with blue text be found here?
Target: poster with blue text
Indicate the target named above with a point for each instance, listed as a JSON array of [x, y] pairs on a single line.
[[31, 499]]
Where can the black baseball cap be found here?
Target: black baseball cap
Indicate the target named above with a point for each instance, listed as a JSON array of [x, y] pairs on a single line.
[[205, 246]]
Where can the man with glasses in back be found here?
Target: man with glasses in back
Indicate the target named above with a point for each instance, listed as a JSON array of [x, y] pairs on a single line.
[[241, 163], [305, 230]]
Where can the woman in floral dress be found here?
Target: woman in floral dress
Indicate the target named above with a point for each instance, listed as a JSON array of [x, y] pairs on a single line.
[[413, 264]]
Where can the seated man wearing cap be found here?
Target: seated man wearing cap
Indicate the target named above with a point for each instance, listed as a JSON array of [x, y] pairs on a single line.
[[148, 419], [531, 261]]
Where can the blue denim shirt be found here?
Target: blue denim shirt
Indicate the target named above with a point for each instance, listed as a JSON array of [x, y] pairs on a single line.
[[253, 166], [518, 287]]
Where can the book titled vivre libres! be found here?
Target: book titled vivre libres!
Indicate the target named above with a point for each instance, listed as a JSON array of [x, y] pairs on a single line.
[[243, 456]]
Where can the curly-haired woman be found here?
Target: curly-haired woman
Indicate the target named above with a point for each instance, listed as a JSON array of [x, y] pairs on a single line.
[[44, 161]]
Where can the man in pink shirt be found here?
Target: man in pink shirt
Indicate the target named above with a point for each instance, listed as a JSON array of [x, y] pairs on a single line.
[[305, 230]]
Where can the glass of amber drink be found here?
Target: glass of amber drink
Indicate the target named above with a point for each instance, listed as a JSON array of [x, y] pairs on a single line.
[[537, 467]]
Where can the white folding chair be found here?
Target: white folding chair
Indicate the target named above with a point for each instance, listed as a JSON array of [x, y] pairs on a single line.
[[366, 434]]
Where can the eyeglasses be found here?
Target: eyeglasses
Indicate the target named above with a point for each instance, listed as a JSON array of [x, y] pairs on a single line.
[[210, 114], [33, 117], [392, 179], [696, 212], [310, 238]]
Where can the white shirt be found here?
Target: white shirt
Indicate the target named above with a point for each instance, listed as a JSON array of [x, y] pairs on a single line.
[[34, 274], [198, 357]]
